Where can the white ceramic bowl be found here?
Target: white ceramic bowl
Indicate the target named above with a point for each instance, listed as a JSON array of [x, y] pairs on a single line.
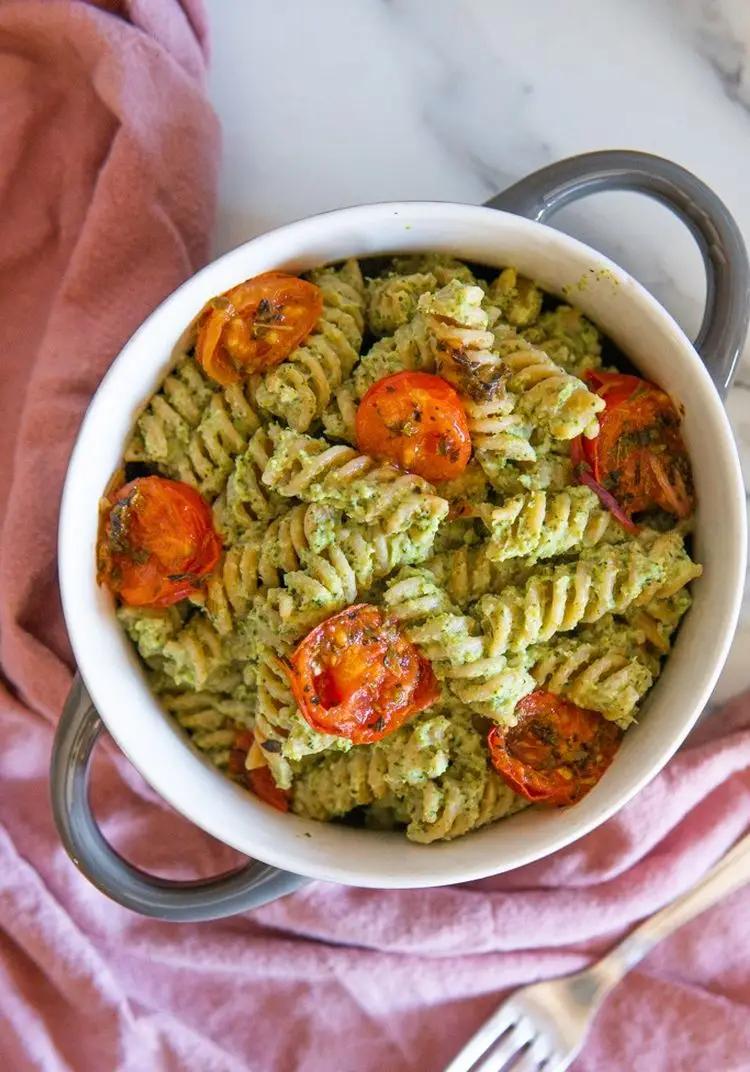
[[644, 332]]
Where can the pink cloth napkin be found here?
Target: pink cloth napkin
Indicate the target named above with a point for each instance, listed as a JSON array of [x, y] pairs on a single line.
[[108, 155]]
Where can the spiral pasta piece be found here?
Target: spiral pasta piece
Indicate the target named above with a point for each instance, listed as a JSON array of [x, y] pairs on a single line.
[[339, 419], [456, 806], [392, 299], [210, 720], [568, 338], [259, 560], [407, 758], [603, 670], [659, 618], [489, 683], [230, 590], [466, 797], [325, 585], [330, 580], [274, 712], [245, 499], [557, 599], [367, 491], [191, 655], [552, 470], [202, 453], [150, 629], [441, 265], [196, 657], [304, 528], [162, 431], [679, 568], [408, 349], [281, 732], [558, 402], [299, 389], [468, 572], [465, 356], [543, 524], [518, 298]]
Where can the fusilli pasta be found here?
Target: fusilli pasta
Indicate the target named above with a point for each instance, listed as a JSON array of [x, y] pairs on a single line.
[[368, 491], [490, 683], [543, 524], [518, 299], [568, 338], [609, 672], [509, 578], [558, 598], [210, 719], [558, 402], [163, 430], [464, 355], [468, 572], [298, 390], [392, 299], [245, 499]]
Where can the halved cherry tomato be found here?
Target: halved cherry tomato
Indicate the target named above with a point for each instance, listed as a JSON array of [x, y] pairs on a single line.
[[556, 753], [156, 542], [255, 325], [357, 676], [639, 457], [260, 780], [417, 421]]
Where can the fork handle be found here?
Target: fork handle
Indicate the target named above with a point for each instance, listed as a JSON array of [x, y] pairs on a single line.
[[728, 875]]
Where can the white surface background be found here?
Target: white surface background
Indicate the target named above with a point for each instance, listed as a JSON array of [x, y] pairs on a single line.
[[326, 103]]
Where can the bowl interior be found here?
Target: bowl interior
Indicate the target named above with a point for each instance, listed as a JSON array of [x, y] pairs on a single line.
[[645, 333]]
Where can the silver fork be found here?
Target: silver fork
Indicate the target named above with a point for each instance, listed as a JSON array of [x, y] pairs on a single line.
[[543, 1027]]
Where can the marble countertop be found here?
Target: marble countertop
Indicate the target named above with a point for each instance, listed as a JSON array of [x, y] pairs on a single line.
[[335, 103]]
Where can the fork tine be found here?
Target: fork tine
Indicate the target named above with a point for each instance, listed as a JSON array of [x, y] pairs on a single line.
[[501, 1019], [527, 1062], [509, 1046]]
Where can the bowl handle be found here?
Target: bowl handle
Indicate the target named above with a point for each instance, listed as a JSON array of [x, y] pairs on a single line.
[[178, 901], [725, 320]]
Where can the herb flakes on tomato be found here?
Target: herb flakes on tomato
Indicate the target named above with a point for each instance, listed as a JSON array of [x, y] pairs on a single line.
[[556, 752], [255, 325], [638, 461], [417, 421], [156, 543], [357, 676]]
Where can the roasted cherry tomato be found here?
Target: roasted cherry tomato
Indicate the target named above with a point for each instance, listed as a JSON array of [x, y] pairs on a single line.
[[417, 421], [556, 753], [156, 542], [255, 325], [638, 460], [260, 780], [357, 676]]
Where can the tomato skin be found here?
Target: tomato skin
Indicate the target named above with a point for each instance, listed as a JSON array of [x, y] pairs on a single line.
[[615, 387], [639, 457], [261, 783], [356, 676], [260, 780], [156, 543], [255, 325], [417, 421], [556, 753]]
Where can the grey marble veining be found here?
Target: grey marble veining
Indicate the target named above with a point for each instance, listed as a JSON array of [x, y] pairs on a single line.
[[336, 103]]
